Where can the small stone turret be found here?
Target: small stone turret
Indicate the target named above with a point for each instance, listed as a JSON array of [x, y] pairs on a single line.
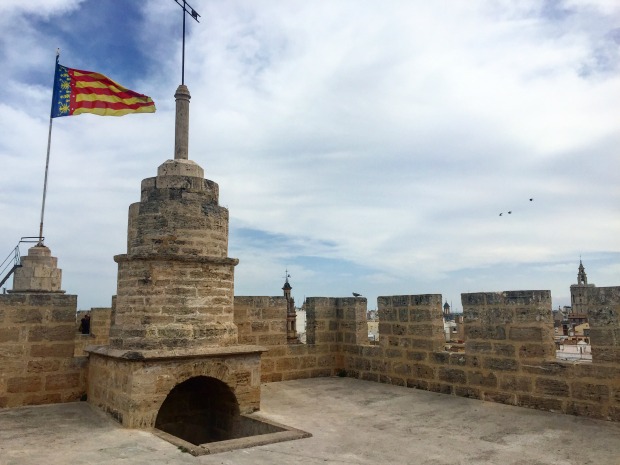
[[38, 272], [291, 314]]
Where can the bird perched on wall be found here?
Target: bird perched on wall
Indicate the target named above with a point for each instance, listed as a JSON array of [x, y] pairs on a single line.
[[355, 294]]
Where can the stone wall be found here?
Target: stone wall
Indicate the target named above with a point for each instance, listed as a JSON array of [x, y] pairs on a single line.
[[37, 341], [100, 319], [261, 320], [509, 355], [509, 352], [331, 322]]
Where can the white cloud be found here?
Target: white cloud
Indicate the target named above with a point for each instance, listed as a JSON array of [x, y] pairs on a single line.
[[386, 137]]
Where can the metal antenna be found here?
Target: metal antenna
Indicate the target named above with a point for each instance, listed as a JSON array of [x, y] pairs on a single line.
[[194, 14]]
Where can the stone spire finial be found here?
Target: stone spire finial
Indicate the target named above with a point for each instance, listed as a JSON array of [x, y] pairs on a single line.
[[581, 275], [181, 126]]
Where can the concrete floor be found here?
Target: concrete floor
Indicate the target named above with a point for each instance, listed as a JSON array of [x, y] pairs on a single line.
[[352, 422]]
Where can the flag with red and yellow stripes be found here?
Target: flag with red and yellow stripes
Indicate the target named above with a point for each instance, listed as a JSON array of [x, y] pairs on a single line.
[[77, 92]]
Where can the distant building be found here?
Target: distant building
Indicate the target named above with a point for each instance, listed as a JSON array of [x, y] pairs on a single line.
[[291, 314], [578, 296], [573, 333]]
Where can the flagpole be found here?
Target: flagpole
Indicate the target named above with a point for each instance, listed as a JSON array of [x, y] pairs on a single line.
[[47, 159], [183, 53]]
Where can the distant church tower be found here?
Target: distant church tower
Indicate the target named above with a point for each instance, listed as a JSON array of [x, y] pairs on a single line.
[[578, 294], [447, 315], [291, 314]]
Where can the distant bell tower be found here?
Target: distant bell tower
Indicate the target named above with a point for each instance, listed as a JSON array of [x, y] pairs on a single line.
[[291, 314], [582, 278], [446, 311], [578, 292]]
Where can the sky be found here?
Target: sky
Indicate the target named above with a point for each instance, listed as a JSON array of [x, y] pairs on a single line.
[[363, 146]]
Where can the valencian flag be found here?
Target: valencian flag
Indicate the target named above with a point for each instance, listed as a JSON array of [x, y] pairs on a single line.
[[77, 92]]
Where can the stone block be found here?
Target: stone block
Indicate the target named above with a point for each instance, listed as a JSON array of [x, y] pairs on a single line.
[[416, 355], [478, 347], [25, 316], [533, 315], [426, 300], [591, 392], [452, 375], [551, 387], [536, 351], [500, 397], [52, 350], [540, 403], [605, 336], [372, 351], [399, 329], [485, 332], [560, 369], [608, 354], [21, 384], [419, 315], [388, 315], [423, 344], [513, 383], [10, 334], [597, 371], [500, 364], [400, 301], [417, 384], [441, 388], [478, 378], [393, 353], [401, 369], [458, 359], [422, 371], [51, 333], [441, 358], [62, 381], [528, 298], [534, 334], [423, 330], [613, 414], [504, 350], [367, 377], [466, 391], [42, 399], [488, 315], [379, 365], [45, 365], [584, 409]]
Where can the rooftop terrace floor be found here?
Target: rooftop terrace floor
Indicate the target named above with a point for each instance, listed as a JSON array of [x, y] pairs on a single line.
[[352, 422]]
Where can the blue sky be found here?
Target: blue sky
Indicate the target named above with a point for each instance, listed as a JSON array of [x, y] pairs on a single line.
[[366, 146]]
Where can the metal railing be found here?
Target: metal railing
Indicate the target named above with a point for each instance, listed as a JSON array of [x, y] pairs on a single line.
[[13, 260]]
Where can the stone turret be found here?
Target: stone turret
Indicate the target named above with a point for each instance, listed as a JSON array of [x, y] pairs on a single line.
[[291, 314], [176, 282], [173, 340], [38, 272], [578, 294]]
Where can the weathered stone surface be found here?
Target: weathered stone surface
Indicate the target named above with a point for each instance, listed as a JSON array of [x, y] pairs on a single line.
[[500, 364], [478, 378], [23, 384], [551, 387], [452, 375]]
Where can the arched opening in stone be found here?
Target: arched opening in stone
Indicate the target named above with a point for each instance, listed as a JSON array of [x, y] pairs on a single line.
[[200, 410]]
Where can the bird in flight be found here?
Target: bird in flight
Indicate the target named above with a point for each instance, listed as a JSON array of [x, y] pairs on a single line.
[[510, 212]]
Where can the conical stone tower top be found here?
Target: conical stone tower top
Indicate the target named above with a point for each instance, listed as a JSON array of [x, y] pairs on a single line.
[[176, 281]]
